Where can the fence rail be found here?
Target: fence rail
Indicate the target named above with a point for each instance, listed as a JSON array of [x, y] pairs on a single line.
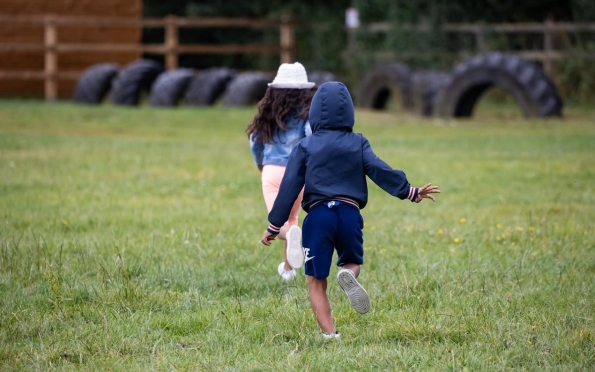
[[170, 48], [548, 29], [145, 22]]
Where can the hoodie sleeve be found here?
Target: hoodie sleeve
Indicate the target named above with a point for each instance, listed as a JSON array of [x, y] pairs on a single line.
[[257, 149], [393, 181], [291, 186]]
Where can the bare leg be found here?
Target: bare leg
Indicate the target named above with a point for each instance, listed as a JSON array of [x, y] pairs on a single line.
[[271, 181], [355, 268], [320, 304]]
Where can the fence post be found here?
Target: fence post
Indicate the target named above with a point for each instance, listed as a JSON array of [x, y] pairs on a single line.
[[547, 46], [171, 42], [286, 39], [480, 39], [51, 59]]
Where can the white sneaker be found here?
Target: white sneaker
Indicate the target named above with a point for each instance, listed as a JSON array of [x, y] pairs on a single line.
[[287, 275], [295, 253], [332, 336], [355, 292]]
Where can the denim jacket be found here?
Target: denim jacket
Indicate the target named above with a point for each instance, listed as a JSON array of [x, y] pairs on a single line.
[[277, 152]]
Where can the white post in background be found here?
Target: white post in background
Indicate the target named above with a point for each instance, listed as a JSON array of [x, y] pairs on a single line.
[[352, 23]]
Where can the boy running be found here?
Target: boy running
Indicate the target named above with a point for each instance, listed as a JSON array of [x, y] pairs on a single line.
[[332, 165]]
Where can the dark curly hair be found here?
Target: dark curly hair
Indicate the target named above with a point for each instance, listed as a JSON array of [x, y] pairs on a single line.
[[274, 107]]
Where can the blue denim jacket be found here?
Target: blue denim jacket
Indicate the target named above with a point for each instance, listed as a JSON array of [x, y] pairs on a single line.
[[277, 153]]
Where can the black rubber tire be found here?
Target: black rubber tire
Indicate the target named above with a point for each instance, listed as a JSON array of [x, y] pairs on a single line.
[[132, 80], [320, 77], [246, 89], [170, 86], [426, 88], [94, 83], [381, 82], [532, 89], [208, 86]]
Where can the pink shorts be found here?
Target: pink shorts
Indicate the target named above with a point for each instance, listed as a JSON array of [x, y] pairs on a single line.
[[271, 180]]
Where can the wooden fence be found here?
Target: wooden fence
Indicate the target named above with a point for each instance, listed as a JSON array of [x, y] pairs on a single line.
[[171, 48], [548, 29]]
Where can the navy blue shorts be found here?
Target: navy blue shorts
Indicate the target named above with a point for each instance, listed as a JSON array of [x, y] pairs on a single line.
[[329, 226]]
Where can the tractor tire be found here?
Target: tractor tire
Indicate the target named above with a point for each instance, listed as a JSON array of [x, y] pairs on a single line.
[[532, 89], [94, 83], [426, 88], [208, 86], [382, 82], [170, 86], [246, 89], [135, 78]]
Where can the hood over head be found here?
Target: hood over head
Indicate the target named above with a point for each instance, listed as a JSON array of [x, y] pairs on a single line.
[[332, 108]]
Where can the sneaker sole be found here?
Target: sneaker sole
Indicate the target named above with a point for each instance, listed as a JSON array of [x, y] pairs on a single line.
[[295, 254], [281, 270], [355, 292]]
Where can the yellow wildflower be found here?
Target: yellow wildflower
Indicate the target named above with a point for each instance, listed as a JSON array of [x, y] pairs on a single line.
[[457, 240], [462, 220]]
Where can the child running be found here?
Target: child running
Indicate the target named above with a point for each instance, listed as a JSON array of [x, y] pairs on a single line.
[[333, 164], [280, 123]]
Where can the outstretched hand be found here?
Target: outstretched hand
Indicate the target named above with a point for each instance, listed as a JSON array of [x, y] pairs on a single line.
[[426, 193], [267, 238]]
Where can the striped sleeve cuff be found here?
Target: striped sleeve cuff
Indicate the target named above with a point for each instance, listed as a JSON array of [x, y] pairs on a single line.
[[273, 229], [413, 191]]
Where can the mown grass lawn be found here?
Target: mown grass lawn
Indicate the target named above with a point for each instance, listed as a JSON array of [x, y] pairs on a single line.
[[129, 240]]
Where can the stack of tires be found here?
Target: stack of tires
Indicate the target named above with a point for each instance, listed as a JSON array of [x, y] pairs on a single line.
[[455, 94], [126, 86]]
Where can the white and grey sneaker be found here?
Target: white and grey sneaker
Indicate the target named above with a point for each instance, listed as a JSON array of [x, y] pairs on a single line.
[[355, 292], [295, 253], [287, 275], [331, 336]]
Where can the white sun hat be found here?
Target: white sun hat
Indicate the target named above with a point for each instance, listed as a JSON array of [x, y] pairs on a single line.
[[291, 76]]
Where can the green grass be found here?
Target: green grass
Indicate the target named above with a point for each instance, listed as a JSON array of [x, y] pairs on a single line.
[[129, 240]]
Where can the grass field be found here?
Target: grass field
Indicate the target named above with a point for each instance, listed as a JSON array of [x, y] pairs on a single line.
[[130, 241]]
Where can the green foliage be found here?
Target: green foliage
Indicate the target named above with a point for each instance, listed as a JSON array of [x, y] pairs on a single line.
[[323, 43], [129, 241], [575, 75], [583, 10], [316, 52]]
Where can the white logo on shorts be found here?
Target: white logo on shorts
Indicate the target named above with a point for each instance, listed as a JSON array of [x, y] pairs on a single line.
[[306, 253]]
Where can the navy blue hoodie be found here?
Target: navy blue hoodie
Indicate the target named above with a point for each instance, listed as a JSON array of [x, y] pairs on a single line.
[[334, 161]]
